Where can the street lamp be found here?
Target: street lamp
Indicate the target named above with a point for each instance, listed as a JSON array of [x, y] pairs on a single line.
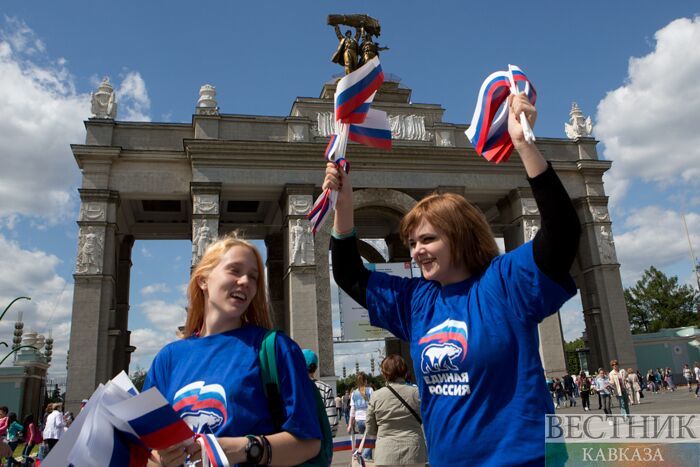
[[11, 303], [16, 345]]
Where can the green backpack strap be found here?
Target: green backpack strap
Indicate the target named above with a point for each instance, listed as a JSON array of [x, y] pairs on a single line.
[[270, 378]]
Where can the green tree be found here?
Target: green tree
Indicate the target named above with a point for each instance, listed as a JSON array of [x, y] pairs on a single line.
[[572, 363], [344, 384], [657, 302]]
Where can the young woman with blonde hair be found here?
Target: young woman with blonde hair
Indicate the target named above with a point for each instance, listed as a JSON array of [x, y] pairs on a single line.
[[212, 376]]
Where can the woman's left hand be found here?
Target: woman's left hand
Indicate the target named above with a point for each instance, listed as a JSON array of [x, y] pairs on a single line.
[[518, 104]]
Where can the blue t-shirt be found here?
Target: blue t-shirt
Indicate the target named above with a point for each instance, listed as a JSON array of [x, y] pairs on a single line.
[[215, 384], [475, 348]]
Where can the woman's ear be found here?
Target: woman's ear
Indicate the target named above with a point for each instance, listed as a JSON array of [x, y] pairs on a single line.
[[202, 283]]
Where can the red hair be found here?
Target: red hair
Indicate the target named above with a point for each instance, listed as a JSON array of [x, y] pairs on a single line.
[[258, 311]]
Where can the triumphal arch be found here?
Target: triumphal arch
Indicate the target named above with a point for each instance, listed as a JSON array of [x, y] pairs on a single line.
[[260, 174]]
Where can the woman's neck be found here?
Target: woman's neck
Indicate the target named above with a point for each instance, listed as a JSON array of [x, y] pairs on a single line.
[[214, 323]]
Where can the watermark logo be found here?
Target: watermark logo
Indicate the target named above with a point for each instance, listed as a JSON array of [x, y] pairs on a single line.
[[654, 439]]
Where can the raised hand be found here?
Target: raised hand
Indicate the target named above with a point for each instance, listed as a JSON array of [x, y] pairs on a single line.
[[517, 104]]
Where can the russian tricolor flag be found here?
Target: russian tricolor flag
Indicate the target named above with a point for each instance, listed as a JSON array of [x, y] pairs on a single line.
[[153, 420], [488, 131], [374, 131], [213, 454], [355, 92]]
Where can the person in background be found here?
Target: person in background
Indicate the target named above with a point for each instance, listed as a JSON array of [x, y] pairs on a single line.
[[688, 375], [585, 390], [3, 421], [338, 406], [558, 391], [668, 378], [359, 401], [635, 387], [325, 389], [603, 387], [68, 420], [696, 370], [15, 431], [568, 382], [393, 417], [32, 437], [346, 406], [651, 381], [618, 378], [4, 449], [659, 380], [53, 428]]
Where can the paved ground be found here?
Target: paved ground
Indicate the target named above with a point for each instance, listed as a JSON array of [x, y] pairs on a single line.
[[678, 402]]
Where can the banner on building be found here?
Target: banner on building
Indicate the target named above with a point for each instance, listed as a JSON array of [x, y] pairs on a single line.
[[354, 318]]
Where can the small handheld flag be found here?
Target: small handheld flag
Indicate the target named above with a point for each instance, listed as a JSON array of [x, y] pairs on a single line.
[[356, 121], [488, 131]]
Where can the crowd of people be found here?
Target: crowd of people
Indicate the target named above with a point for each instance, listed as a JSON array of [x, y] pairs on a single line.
[[626, 387], [31, 433]]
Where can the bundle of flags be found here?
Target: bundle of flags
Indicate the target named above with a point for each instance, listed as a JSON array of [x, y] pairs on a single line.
[[355, 121], [119, 427], [488, 131]]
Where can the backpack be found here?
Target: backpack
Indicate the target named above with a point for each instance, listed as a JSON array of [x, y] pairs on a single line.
[[268, 368]]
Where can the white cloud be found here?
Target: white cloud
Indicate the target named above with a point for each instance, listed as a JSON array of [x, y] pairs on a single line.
[[42, 115], [147, 342], [32, 273], [654, 236], [160, 287], [571, 316], [650, 124], [132, 98], [164, 315]]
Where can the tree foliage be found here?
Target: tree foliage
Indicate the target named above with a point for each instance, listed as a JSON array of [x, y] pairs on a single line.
[[350, 383], [657, 302], [572, 363]]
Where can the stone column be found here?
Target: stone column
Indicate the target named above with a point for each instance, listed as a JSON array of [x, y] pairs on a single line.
[[275, 278], [323, 305], [205, 216], [300, 271], [604, 308], [519, 210], [94, 295], [119, 322]]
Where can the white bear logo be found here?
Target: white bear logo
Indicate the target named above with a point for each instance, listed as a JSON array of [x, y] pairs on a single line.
[[439, 357]]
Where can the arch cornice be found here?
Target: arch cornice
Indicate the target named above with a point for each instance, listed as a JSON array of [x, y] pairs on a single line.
[[383, 198]]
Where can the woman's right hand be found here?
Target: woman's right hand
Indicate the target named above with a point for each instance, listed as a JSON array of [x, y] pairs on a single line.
[[177, 454]]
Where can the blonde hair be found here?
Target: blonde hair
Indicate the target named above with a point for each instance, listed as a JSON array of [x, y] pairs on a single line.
[[465, 226], [258, 312]]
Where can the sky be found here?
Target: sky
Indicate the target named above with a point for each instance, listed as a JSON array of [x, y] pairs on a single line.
[[633, 69]]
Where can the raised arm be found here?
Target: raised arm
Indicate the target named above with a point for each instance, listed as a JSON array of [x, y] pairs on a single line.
[[555, 245], [348, 271]]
